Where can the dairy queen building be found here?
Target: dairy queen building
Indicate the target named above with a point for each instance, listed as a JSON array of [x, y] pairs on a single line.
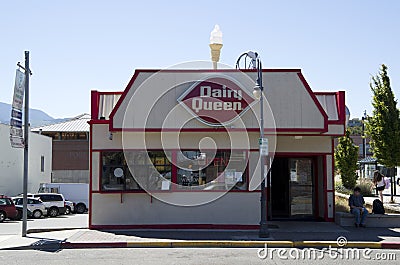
[[179, 149]]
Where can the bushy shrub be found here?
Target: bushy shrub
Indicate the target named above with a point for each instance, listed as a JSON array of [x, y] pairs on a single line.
[[342, 189], [366, 187], [346, 156]]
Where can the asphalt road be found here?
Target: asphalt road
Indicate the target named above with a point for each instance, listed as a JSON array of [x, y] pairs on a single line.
[[189, 256]]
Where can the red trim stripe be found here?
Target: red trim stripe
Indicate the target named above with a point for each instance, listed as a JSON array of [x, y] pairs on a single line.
[[91, 173], [324, 188]]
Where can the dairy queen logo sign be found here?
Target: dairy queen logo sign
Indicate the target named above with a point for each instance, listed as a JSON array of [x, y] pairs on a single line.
[[216, 101]]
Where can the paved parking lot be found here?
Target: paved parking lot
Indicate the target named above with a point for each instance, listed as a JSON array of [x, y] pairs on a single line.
[[63, 221]]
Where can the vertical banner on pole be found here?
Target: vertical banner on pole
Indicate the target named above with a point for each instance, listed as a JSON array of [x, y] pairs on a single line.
[[16, 133]]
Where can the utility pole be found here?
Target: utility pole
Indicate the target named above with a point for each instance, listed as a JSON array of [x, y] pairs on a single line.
[[26, 136], [364, 151]]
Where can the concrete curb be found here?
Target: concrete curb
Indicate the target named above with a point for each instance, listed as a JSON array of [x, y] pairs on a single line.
[[43, 230], [229, 244], [180, 244]]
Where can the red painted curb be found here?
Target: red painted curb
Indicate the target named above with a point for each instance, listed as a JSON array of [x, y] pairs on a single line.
[[390, 245]]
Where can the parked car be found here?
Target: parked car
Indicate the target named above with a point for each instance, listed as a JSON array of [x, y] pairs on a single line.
[[54, 203], [35, 206], [20, 212], [78, 193], [7, 208], [22, 195], [70, 207]]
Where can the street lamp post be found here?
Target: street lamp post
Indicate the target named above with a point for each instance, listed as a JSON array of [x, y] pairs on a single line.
[[255, 63], [364, 151], [258, 93]]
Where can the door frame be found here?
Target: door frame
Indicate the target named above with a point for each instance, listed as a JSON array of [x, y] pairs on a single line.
[[315, 185]]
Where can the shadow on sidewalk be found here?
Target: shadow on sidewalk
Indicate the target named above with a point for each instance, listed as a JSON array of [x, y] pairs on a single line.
[[43, 244], [279, 231], [351, 234]]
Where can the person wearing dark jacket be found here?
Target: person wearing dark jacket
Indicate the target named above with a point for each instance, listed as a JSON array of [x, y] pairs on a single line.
[[356, 203]]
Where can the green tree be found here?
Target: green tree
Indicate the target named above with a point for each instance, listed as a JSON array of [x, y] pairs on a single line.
[[346, 156], [355, 130], [383, 127]]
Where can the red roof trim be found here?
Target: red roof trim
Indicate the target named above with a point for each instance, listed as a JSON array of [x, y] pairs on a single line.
[[137, 71], [99, 122], [325, 93], [298, 71], [217, 129], [121, 99], [94, 97], [314, 98], [340, 106], [214, 71], [111, 93]]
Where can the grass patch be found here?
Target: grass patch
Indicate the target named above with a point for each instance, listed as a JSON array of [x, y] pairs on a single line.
[[341, 204]]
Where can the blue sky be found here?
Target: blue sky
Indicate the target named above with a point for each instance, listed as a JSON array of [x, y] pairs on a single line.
[[77, 46]]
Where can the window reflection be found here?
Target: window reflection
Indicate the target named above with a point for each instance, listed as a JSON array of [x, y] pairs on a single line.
[[148, 168], [301, 187], [194, 170], [212, 170]]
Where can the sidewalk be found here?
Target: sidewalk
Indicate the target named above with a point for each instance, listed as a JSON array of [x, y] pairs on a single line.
[[282, 234]]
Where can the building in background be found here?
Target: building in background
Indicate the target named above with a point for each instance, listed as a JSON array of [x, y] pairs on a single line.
[[70, 149], [12, 163]]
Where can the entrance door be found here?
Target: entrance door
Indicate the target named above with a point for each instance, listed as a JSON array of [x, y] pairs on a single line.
[[292, 188], [301, 187], [280, 188]]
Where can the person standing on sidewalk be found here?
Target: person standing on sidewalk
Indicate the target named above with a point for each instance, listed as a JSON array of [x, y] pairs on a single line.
[[379, 181], [356, 203]]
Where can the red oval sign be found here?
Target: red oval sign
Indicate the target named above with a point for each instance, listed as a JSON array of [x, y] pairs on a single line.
[[216, 101]]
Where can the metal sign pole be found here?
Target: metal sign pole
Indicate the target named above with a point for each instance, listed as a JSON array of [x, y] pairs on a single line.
[[263, 233], [26, 135]]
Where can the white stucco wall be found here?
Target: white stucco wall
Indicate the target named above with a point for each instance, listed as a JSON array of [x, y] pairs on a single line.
[[140, 209], [11, 163]]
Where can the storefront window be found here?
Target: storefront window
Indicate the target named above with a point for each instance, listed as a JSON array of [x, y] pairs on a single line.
[[134, 170], [194, 170], [152, 170], [210, 170]]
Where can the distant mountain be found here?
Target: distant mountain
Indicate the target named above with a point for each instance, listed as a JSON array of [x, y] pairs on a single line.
[[36, 117]]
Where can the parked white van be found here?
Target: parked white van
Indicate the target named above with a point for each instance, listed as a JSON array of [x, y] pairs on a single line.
[[78, 193]]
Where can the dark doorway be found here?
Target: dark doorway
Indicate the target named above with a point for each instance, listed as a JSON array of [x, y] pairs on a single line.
[[292, 188], [280, 188]]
